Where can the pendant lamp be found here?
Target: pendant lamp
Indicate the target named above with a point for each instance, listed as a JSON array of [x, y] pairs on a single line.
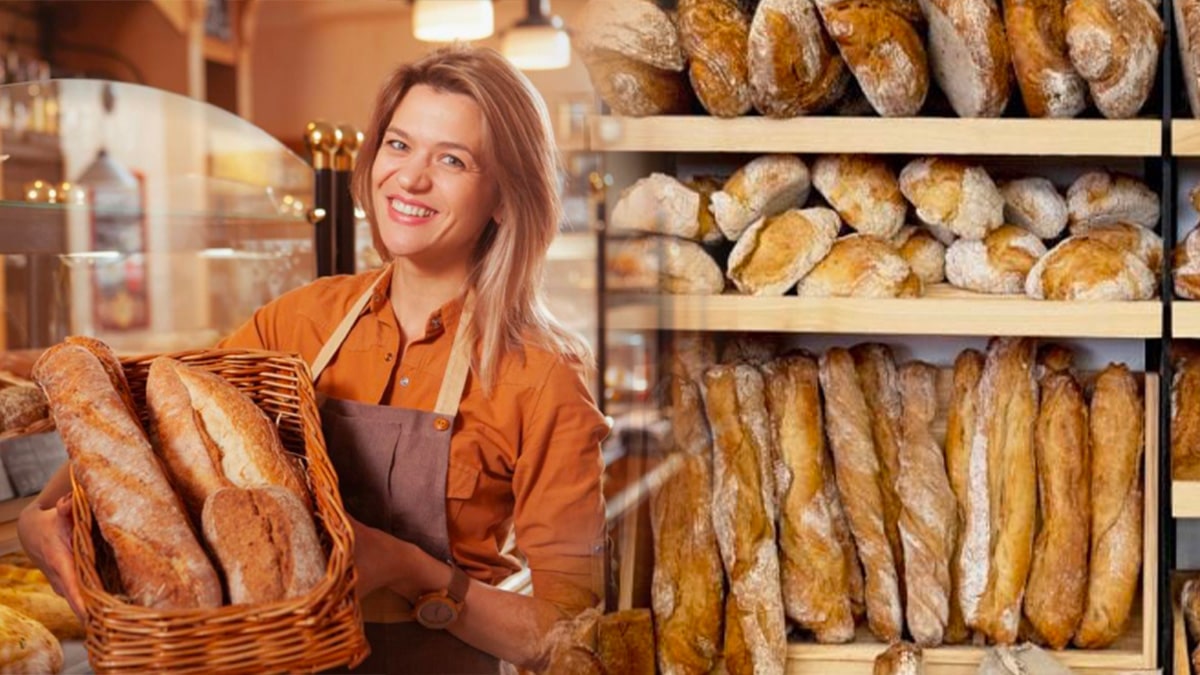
[[538, 42], [451, 20]]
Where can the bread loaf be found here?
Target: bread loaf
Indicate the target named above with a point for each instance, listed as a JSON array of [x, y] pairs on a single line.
[[966, 467], [968, 54], [1185, 420], [1187, 31], [856, 467], [950, 194], [660, 204], [1185, 266], [794, 65], [1037, 37], [634, 88], [998, 264], [777, 251], [900, 658], [1116, 420], [1189, 602], [744, 514], [1006, 419], [715, 36], [29, 592], [664, 265], [21, 406], [706, 186], [625, 642], [1083, 268], [863, 190], [859, 266], [765, 186], [1057, 585], [1143, 243], [1114, 45], [159, 560], [1102, 198], [928, 517], [265, 542], [1035, 205], [881, 44], [815, 575], [26, 646], [925, 255]]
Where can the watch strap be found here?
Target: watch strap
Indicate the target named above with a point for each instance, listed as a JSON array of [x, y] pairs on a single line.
[[460, 583]]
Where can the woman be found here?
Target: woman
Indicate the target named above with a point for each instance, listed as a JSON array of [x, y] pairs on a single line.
[[454, 407]]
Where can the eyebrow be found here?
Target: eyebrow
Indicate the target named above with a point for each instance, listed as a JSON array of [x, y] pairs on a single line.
[[442, 144]]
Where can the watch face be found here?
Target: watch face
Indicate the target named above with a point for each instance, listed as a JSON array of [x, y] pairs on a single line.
[[437, 613]]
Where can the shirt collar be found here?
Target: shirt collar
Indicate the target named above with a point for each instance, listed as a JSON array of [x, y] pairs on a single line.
[[441, 320]]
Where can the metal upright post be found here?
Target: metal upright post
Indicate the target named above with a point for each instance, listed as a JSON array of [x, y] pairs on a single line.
[[349, 140], [320, 138]]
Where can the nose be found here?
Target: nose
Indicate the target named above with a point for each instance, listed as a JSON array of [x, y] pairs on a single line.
[[413, 176]]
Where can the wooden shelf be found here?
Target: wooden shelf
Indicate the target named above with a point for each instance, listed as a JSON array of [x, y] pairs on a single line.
[[1185, 498], [1185, 138], [943, 311], [911, 135], [1185, 319]]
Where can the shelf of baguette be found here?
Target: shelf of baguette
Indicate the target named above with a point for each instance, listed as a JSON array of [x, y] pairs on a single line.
[[1185, 431]]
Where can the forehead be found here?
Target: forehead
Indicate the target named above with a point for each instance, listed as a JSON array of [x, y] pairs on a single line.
[[433, 116]]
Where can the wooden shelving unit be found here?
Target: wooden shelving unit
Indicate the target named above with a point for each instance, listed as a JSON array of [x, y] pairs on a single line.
[[913, 135], [1185, 498], [1185, 319], [1181, 658], [1185, 138]]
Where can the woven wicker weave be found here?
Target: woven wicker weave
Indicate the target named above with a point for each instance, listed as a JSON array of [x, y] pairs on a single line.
[[317, 631]]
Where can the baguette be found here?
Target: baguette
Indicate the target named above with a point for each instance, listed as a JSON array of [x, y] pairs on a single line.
[[159, 560], [966, 466], [1185, 420]]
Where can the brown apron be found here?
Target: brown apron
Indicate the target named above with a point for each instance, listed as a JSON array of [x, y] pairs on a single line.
[[391, 465]]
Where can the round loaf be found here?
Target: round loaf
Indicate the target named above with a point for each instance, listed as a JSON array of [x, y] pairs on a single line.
[[776, 251], [635, 89], [1114, 45], [763, 187], [968, 54], [1187, 31], [864, 191], [706, 186], [998, 264], [27, 646], [794, 65], [1083, 268], [1036, 205], [950, 194], [923, 253], [880, 43], [1037, 37], [21, 406], [1143, 243], [715, 36], [860, 266], [660, 264], [660, 204], [1103, 198], [1186, 266]]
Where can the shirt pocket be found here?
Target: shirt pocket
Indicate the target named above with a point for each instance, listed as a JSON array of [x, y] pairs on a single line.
[[461, 480]]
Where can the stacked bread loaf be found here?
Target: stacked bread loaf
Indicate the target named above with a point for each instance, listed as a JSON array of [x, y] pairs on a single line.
[[868, 231], [211, 478], [785, 58], [1002, 497]]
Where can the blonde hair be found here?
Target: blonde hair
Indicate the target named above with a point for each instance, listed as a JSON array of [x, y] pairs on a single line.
[[509, 258]]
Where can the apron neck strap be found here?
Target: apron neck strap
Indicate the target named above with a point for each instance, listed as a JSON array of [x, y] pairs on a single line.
[[335, 341]]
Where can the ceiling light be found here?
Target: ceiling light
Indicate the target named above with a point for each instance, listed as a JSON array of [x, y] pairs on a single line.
[[450, 20], [538, 41]]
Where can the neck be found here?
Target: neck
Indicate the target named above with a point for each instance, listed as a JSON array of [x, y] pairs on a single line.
[[418, 292]]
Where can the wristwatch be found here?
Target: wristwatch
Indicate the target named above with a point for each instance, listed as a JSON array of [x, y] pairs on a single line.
[[439, 609]]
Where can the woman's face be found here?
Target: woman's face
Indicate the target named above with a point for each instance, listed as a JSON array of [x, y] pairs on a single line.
[[433, 193]]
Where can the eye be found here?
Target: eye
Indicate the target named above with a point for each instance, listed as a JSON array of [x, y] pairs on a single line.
[[453, 161], [397, 144]]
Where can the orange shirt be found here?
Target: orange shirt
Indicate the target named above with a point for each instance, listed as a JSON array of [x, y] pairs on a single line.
[[525, 458]]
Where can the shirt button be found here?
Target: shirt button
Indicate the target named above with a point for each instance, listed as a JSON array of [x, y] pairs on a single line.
[[441, 424], [436, 322], [404, 381], [388, 357]]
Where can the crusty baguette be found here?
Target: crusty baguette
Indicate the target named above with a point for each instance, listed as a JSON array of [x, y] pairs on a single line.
[[856, 467], [1057, 585], [265, 541], [744, 514], [1116, 421], [815, 574], [1185, 420], [969, 571], [159, 560]]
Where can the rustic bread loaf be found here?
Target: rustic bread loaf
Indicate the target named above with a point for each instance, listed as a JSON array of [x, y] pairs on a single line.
[[715, 36], [864, 191], [765, 186], [28, 591], [660, 204], [859, 266], [966, 467], [968, 54], [777, 251], [998, 264], [1143, 243], [1083, 268], [1037, 38], [1185, 266], [950, 194], [900, 658], [925, 255], [794, 65], [1103, 198], [706, 186], [1187, 31], [1057, 585], [883, 48], [625, 642], [21, 406], [634, 88], [1114, 45], [1185, 420], [1036, 205], [1116, 420], [660, 264], [26, 646]]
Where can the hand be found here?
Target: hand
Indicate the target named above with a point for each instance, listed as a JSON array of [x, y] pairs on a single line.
[[383, 560], [46, 536]]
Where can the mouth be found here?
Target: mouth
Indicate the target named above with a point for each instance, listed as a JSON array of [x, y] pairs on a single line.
[[410, 209]]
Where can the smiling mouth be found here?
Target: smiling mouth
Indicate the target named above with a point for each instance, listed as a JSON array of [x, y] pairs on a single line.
[[410, 209]]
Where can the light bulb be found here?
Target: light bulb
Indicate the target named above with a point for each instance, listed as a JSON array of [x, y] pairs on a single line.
[[537, 47], [450, 20]]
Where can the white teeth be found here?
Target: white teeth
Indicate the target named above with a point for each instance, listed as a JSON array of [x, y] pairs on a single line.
[[410, 210]]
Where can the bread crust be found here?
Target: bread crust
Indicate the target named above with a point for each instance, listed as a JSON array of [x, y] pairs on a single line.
[[1185, 420], [998, 264], [968, 54], [1115, 45], [794, 66], [925, 255], [953, 195], [764, 186], [1103, 198], [1086, 268], [966, 470], [1185, 266], [777, 251], [1037, 38], [1035, 205], [715, 36], [864, 191], [862, 267], [661, 264]]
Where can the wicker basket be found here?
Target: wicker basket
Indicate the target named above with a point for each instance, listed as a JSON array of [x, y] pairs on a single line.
[[317, 631]]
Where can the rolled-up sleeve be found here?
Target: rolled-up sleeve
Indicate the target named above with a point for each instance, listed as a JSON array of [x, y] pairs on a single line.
[[558, 506]]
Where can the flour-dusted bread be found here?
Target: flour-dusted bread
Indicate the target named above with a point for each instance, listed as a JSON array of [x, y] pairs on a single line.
[[659, 264], [864, 191], [923, 253], [859, 266], [1037, 39], [715, 36], [1104, 198], [777, 251], [883, 47], [26, 646], [1185, 266], [999, 264], [900, 658], [1036, 205], [950, 194], [794, 66], [1143, 243], [1187, 32], [763, 187], [968, 54], [1115, 45], [1083, 268], [661, 204], [966, 467]]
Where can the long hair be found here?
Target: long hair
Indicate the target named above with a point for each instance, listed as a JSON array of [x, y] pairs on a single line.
[[509, 258]]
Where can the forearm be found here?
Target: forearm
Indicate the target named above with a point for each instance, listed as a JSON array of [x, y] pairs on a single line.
[[58, 485]]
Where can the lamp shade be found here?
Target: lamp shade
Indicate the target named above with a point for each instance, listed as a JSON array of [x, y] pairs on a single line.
[[544, 47], [450, 20]]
